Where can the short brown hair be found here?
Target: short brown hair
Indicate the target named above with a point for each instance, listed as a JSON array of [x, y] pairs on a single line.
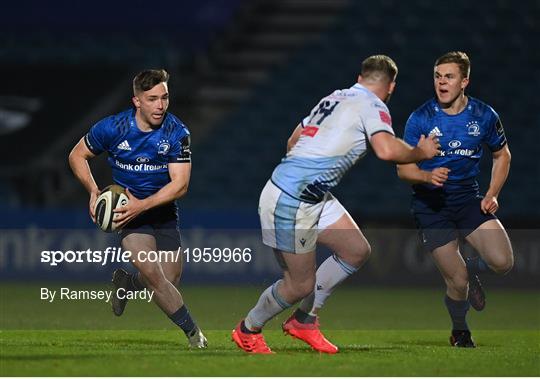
[[148, 79], [459, 58], [378, 67]]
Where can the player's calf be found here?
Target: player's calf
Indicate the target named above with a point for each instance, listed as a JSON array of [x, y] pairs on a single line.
[[293, 290], [457, 286]]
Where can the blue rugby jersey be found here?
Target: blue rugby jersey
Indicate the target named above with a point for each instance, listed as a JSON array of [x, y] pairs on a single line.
[[139, 160], [461, 137]]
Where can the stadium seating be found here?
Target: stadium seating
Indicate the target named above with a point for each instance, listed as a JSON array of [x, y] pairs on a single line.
[[66, 70], [496, 37], [247, 75]]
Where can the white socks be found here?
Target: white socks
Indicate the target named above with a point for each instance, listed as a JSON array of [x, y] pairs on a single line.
[[330, 274], [270, 304]]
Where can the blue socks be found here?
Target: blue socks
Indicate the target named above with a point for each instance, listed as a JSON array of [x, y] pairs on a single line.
[[458, 312], [183, 319]]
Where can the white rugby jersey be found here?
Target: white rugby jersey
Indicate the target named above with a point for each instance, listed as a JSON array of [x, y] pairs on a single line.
[[333, 138]]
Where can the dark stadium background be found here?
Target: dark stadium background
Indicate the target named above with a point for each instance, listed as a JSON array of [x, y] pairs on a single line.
[[243, 74]]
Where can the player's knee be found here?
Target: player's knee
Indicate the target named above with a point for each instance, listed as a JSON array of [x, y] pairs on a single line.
[[365, 252], [502, 265], [358, 256]]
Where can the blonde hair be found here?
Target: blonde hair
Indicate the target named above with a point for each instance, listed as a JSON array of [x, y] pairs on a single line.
[[379, 67]]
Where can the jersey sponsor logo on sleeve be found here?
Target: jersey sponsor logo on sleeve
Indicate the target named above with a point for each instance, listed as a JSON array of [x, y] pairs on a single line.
[[385, 117], [185, 150], [124, 145], [473, 129], [310, 131]]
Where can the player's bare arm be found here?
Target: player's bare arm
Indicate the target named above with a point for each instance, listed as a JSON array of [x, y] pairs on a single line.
[[293, 139], [389, 148], [78, 161], [180, 174], [499, 173], [412, 174]]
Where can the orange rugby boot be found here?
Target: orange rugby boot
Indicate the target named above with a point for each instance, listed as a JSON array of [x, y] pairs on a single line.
[[252, 343], [310, 334]]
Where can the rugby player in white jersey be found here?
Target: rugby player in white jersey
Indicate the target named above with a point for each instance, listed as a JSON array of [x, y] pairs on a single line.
[[298, 211]]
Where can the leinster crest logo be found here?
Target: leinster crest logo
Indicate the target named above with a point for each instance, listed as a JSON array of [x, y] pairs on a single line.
[[163, 147], [473, 129]]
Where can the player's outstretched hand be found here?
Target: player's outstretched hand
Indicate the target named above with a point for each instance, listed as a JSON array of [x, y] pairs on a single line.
[[92, 204], [430, 146], [134, 207], [438, 176], [489, 204]]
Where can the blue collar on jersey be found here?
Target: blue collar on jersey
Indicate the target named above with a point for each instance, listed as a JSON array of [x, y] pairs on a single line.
[[472, 106], [133, 120]]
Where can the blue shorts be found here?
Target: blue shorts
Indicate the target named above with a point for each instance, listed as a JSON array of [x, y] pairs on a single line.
[[160, 222], [440, 223]]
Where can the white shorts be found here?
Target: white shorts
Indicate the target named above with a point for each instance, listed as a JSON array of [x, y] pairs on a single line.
[[292, 225]]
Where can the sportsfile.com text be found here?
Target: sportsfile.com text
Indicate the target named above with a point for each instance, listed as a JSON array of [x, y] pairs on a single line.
[[118, 255]]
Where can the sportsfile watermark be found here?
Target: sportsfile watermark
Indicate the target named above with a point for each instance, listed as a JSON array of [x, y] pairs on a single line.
[[118, 255], [232, 256], [65, 276]]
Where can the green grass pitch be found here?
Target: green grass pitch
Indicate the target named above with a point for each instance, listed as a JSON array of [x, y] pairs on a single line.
[[380, 331]]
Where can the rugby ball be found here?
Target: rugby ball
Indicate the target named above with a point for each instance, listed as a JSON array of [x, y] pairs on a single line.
[[113, 196]]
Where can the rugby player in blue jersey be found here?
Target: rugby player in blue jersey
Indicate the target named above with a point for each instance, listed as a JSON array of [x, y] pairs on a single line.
[[446, 199], [149, 153]]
